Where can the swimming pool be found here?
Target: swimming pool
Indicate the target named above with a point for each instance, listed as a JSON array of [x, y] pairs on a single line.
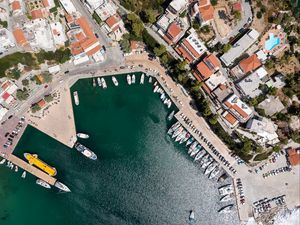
[[272, 42]]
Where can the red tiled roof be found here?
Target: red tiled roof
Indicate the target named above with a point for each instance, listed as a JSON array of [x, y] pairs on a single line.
[[5, 96], [45, 3], [88, 42], [237, 6], [250, 63], [37, 14], [207, 12], [93, 50], [41, 103], [5, 85], [80, 36], [111, 21], [174, 30], [240, 111], [213, 60], [191, 49], [204, 70], [293, 157], [230, 118], [83, 23], [186, 55], [167, 39], [203, 3], [15, 5], [19, 36]]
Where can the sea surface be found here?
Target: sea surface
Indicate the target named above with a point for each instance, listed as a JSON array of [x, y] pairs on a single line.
[[141, 176]]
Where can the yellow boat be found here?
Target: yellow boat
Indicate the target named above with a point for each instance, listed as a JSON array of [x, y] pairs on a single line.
[[34, 160]]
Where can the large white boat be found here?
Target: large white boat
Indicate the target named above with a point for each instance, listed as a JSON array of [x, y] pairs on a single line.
[[190, 141], [180, 136], [196, 150], [226, 189], [43, 183], [186, 137], [226, 198], [85, 151], [150, 79], [62, 186], [3, 161], [210, 168], [128, 79], [173, 127], [133, 79], [82, 135], [200, 155], [214, 173], [177, 131], [99, 81], [103, 83], [226, 209], [207, 162], [76, 98], [115, 81], [142, 79], [204, 159], [155, 89], [192, 216], [192, 147]]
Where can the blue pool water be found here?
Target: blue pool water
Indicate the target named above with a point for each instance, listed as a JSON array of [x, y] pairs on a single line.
[[272, 42]]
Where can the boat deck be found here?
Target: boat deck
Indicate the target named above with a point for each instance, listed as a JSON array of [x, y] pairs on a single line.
[[31, 169]]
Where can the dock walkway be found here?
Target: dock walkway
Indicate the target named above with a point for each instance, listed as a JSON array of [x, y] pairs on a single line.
[[31, 169]]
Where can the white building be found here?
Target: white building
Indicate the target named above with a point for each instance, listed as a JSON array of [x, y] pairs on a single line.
[[54, 69], [264, 131], [115, 27], [58, 34], [106, 10], [68, 6], [6, 40], [177, 6], [3, 111], [215, 80], [240, 47], [7, 89], [94, 4]]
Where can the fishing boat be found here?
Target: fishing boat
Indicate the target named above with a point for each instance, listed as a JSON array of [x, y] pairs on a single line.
[[23, 174], [226, 198], [214, 173], [200, 154], [226, 209], [190, 141], [99, 81], [142, 79], [103, 83], [173, 127], [34, 160], [192, 147], [150, 79], [16, 169], [207, 163], [155, 89], [43, 183], [210, 168], [155, 83], [196, 150], [180, 136], [2, 161], [128, 79], [82, 135], [187, 136], [169, 103], [94, 82], [226, 189], [11, 166], [163, 96], [85, 151], [62, 186], [166, 101], [8, 164], [133, 79], [192, 215], [115, 81], [171, 115], [76, 98], [177, 131]]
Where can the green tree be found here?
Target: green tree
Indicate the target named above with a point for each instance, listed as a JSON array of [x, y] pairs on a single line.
[[226, 47], [35, 108], [214, 2], [181, 66], [136, 25], [48, 98], [213, 119], [205, 29], [14, 74], [22, 94], [25, 82], [160, 50], [237, 15], [125, 43], [150, 15], [47, 77], [259, 15]]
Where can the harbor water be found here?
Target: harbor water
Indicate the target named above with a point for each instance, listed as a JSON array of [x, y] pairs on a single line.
[[141, 177]]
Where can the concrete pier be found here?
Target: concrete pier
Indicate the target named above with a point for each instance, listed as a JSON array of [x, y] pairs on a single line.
[[31, 169]]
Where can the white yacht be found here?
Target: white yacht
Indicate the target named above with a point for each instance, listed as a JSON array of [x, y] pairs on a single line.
[[99, 81], [76, 98], [3, 161], [133, 79], [226, 189], [43, 183], [210, 168], [155, 89], [62, 186], [177, 132], [214, 173], [207, 162], [128, 79], [16, 169], [23, 174], [150, 79], [82, 135], [142, 79], [115, 81], [196, 150], [103, 83], [180, 136], [200, 155]]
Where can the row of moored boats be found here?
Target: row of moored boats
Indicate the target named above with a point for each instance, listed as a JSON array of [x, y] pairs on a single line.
[[163, 96], [195, 150]]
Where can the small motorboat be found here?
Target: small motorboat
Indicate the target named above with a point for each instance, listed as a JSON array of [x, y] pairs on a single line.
[[192, 215], [16, 169], [62, 186], [226, 209], [83, 135], [23, 174], [115, 81], [3, 161], [128, 79], [43, 183]]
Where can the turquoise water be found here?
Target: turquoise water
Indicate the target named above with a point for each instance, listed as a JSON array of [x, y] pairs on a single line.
[[140, 178], [272, 42]]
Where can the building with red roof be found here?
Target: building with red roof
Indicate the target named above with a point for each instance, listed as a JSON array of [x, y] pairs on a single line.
[[20, 37], [16, 7], [237, 7], [174, 33], [250, 64], [207, 67], [115, 27], [204, 11], [293, 156]]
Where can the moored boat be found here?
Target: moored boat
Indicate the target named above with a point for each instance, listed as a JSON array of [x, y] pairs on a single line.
[[23, 174], [99, 81], [210, 168], [214, 173], [155, 89], [204, 159], [177, 131], [94, 82], [76, 98], [226, 189], [226, 198], [142, 79], [180, 136], [192, 215], [16, 169], [192, 147], [207, 163], [103, 83], [200, 154], [85, 151], [133, 79], [190, 141], [3, 161], [169, 103], [115, 81], [83, 135], [171, 115], [150, 79], [62, 186], [226, 209], [196, 150], [128, 79], [187, 136], [43, 183], [34, 160]]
